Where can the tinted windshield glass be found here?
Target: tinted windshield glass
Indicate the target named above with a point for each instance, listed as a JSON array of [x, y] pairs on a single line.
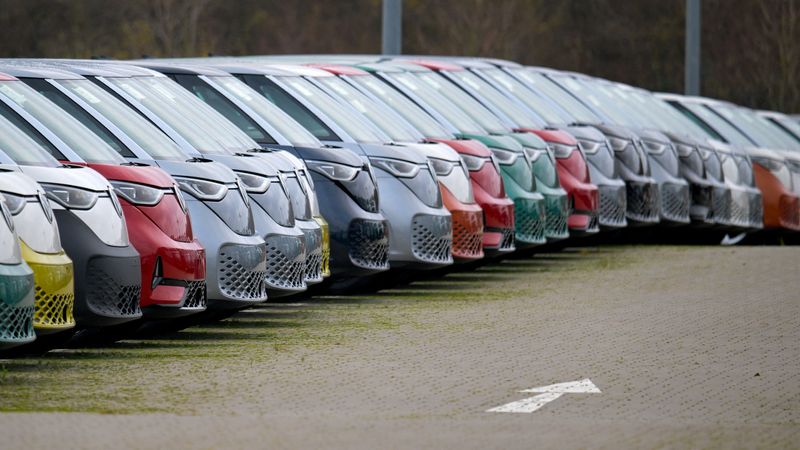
[[787, 125], [21, 148], [468, 104], [725, 130], [195, 121], [757, 127], [532, 100], [664, 115], [345, 118], [547, 87], [282, 122], [222, 105], [402, 105], [599, 99], [79, 138], [136, 127], [437, 102], [377, 113], [519, 116]]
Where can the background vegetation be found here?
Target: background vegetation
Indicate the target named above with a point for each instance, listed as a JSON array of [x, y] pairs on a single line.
[[750, 53]]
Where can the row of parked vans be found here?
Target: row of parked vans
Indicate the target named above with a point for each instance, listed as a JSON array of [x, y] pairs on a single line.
[[154, 190]]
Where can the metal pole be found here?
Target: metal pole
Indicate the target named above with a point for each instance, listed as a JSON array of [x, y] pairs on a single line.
[[392, 27], [692, 61]]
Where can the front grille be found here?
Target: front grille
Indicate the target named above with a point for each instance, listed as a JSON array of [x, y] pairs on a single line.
[[467, 234], [556, 213], [721, 205], [107, 297], [613, 205], [740, 203], [789, 213], [756, 210], [507, 243], [594, 224], [643, 202], [675, 202], [369, 244], [529, 221], [241, 272], [16, 323], [432, 238], [53, 310], [286, 263], [702, 198], [195, 295], [313, 241]]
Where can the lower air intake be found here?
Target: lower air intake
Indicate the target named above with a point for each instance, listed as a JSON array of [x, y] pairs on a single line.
[[16, 323], [242, 273], [313, 242], [432, 238], [369, 244], [107, 297], [675, 202], [467, 234], [529, 220], [643, 202], [286, 262]]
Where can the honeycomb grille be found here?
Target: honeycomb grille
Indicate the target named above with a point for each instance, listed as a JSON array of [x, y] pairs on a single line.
[[740, 216], [721, 205], [612, 206], [643, 202], [53, 310], [286, 263], [195, 295], [789, 213], [106, 297], [756, 210], [507, 243], [675, 202], [369, 244], [16, 323], [529, 220], [313, 265], [467, 234], [557, 212], [432, 238], [238, 281]]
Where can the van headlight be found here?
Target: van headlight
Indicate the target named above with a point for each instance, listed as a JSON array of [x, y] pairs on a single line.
[[71, 197], [655, 148], [14, 203], [685, 150], [333, 171], [590, 147], [202, 189], [562, 150], [396, 167], [138, 194], [504, 157], [255, 184], [473, 163]]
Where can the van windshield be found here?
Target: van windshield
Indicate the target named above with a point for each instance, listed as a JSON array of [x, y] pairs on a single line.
[[282, 122], [377, 113], [136, 127], [403, 106], [21, 148], [80, 139]]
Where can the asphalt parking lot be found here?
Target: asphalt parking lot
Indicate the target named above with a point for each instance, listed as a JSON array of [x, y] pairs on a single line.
[[688, 346]]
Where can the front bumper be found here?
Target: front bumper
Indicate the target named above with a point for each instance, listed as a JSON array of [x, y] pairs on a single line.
[[675, 203], [420, 236], [756, 209], [173, 272], [467, 227], [644, 202], [286, 253], [313, 241], [108, 280], [325, 248], [529, 214], [583, 196], [498, 217], [612, 203], [235, 264], [54, 290], [16, 305], [359, 240]]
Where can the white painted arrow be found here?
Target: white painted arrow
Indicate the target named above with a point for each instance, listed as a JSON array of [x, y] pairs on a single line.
[[547, 395]]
